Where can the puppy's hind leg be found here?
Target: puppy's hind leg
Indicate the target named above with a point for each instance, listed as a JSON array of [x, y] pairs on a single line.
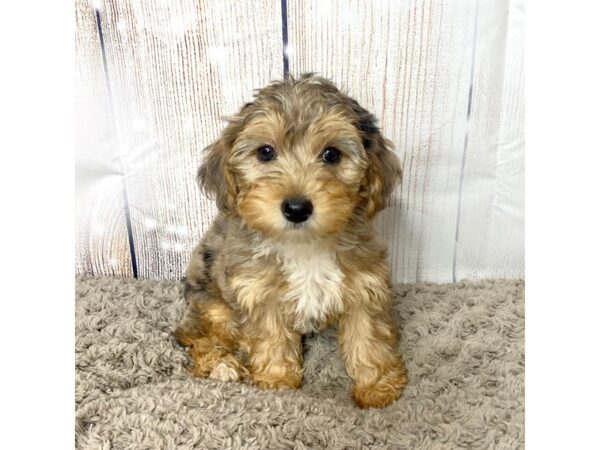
[[210, 330]]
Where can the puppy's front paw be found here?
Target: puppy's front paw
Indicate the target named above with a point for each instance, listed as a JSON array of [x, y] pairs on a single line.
[[227, 370], [291, 380], [221, 367], [385, 390]]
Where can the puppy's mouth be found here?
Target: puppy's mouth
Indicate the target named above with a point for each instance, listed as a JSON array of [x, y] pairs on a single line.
[[296, 226], [302, 232]]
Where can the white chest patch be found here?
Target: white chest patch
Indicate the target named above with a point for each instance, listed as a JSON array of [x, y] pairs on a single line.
[[315, 280]]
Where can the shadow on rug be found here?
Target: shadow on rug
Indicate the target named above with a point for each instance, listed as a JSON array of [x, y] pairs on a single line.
[[462, 345]]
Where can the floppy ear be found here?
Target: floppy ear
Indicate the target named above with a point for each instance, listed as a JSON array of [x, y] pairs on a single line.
[[214, 176], [384, 166]]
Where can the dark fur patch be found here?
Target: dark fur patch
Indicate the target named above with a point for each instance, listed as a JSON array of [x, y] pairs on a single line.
[[188, 289], [367, 124], [208, 257]]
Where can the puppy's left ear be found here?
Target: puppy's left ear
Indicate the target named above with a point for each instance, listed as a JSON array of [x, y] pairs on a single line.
[[384, 170]]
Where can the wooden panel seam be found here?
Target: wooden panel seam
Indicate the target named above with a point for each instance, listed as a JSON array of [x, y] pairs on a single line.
[[464, 156], [126, 211]]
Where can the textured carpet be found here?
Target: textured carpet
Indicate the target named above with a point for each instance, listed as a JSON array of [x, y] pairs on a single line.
[[462, 344]]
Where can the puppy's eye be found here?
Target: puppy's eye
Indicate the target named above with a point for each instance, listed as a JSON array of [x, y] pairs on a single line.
[[265, 153], [331, 155]]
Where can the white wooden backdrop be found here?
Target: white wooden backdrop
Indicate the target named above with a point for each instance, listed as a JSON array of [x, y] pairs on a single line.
[[445, 78]]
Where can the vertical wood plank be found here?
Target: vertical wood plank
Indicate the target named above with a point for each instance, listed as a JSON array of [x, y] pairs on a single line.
[[491, 223], [409, 62], [176, 68], [101, 235]]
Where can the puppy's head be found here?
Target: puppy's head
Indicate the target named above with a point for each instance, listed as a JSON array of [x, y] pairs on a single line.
[[300, 161]]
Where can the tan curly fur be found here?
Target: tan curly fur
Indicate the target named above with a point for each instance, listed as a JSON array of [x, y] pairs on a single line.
[[257, 282]]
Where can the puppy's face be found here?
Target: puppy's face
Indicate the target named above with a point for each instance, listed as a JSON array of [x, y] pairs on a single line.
[[299, 161]]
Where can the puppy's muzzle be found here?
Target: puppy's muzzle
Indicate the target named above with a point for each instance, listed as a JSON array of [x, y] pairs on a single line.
[[297, 209]]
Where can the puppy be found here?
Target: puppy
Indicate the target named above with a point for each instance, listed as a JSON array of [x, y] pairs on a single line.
[[298, 176]]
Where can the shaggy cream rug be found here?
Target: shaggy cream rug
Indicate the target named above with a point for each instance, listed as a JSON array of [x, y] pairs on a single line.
[[462, 344]]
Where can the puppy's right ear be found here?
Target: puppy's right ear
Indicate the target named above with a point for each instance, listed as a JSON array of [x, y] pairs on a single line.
[[215, 178]]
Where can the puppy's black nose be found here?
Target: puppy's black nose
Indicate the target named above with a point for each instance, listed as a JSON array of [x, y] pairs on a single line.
[[296, 209]]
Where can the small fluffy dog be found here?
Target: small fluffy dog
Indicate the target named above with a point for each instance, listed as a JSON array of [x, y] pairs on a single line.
[[298, 176]]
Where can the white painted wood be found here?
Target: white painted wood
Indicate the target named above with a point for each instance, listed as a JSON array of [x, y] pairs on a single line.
[[176, 68], [409, 62], [491, 223], [101, 235]]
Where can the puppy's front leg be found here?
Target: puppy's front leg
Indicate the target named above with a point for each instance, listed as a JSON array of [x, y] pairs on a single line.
[[367, 341], [274, 352]]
